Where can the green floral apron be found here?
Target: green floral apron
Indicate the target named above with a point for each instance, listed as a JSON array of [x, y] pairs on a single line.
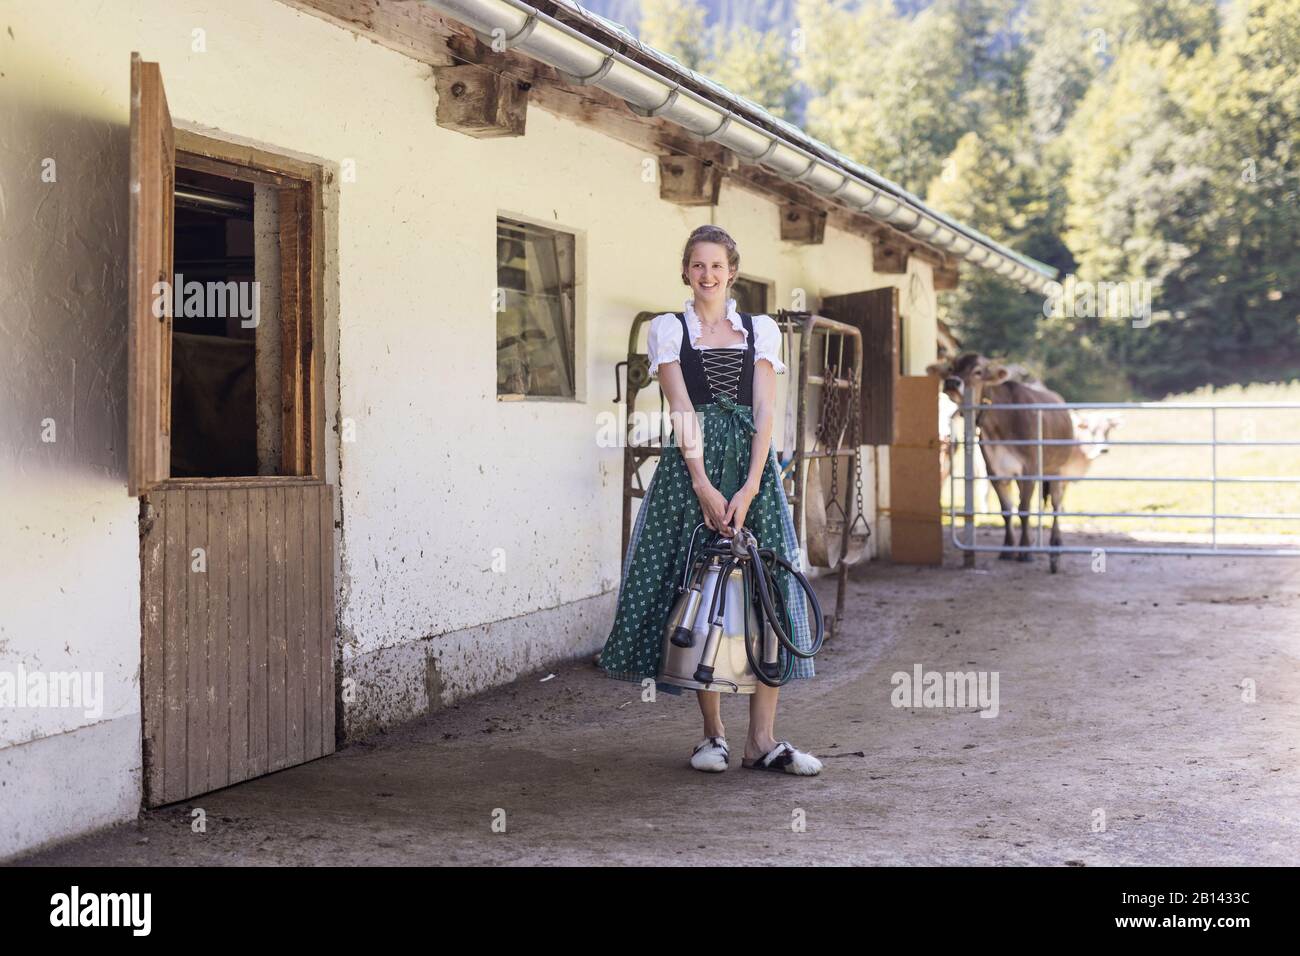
[[656, 554]]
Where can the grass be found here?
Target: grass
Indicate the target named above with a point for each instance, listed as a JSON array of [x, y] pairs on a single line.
[[1151, 499]]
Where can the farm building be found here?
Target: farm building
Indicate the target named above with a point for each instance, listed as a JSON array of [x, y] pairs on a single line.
[[261, 525]]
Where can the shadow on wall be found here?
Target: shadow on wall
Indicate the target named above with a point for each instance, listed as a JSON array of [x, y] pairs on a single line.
[[64, 218]]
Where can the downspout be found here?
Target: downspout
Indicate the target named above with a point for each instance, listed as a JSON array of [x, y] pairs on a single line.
[[585, 61]]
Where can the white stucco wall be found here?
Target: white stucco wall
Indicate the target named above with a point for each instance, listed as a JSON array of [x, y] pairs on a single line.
[[69, 562], [442, 478]]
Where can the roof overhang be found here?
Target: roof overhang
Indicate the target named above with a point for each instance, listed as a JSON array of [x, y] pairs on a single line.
[[593, 51]]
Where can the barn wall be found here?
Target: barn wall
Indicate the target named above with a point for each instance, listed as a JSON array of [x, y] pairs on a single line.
[[68, 546], [479, 539]]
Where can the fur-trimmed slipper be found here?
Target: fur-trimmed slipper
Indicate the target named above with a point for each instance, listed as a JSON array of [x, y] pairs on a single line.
[[711, 755], [784, 758]]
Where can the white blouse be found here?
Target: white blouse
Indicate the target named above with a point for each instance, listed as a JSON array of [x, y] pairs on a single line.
[[665, 339]]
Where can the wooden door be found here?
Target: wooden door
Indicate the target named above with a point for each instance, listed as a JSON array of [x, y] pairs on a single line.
[[875, 313], [237, 574], [238, 633]]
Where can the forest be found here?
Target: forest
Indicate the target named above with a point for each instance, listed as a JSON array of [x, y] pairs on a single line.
[[1149, 147]]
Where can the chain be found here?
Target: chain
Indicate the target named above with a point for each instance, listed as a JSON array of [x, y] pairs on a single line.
[[836, 432], [855, 435], [831, 428], [835, 420]]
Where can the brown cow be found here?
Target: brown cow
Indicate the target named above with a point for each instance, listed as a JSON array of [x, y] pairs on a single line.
[[971, 376]]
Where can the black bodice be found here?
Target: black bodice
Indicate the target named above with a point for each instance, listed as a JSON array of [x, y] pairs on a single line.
[[713, 372]]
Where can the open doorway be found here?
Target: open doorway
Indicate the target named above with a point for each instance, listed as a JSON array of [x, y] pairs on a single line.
[[245, 369], [226, 451], [215, 331]]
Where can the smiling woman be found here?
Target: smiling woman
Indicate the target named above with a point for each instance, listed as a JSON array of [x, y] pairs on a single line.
[[718, 368]]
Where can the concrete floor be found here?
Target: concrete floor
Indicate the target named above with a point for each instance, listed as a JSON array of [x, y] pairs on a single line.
[[1118, 691]]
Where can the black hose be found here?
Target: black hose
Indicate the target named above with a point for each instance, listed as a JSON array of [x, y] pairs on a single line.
[[819, 623], [761, 557], [754, 648], [765, 598]]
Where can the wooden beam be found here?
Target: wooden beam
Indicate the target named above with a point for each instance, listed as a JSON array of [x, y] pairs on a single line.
[[888, 258], [412, 29], [689, 181], [480, 102], [211, 152], [945, 277], [802, 225]]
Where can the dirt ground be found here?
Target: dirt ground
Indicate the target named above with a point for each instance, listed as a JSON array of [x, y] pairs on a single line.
[[1120, 703]]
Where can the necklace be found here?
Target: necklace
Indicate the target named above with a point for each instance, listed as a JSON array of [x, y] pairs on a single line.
[[708, 326]]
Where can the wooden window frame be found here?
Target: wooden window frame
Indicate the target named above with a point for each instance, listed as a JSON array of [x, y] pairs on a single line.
[[767, 286], [157, 149], [575, 336], [302, 277]]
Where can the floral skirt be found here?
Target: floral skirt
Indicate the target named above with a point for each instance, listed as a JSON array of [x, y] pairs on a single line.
[[657, 548]]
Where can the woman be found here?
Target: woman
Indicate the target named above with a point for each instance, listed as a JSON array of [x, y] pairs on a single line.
[[718, 369]]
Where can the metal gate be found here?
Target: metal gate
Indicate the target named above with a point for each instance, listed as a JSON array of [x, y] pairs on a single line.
[[964, 537]]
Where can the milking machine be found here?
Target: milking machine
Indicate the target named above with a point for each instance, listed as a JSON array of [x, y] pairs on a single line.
[[729, 628]]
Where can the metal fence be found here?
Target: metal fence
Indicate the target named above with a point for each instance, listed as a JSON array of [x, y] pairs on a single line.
[[970, 511]]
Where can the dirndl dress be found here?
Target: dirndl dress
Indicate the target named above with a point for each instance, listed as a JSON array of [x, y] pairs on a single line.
[[657, 548]]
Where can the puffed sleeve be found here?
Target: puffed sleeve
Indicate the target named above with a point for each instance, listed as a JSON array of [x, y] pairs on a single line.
[[767, 342], [664, 342]]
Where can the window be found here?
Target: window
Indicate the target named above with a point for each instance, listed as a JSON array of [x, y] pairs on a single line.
[[242, 345], [224, 373], [535, 309], [750, 295], [214, 391]]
